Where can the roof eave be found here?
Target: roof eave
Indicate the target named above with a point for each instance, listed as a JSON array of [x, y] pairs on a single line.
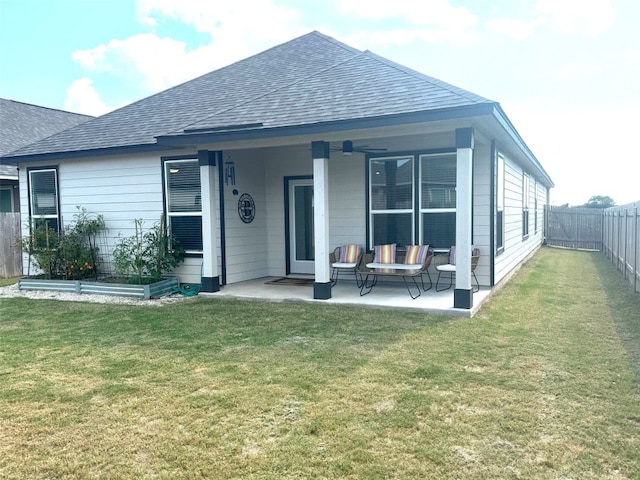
[[98, 152], [508, 127], [219, 136]]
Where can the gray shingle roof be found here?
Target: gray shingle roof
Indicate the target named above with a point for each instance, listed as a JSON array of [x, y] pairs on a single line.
[[310, 79], [22, 124]]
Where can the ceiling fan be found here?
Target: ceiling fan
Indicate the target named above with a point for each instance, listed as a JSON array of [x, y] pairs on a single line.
[[348, 148]]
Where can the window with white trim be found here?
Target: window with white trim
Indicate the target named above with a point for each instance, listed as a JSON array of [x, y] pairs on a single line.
[[438, 200], [391, 201], [500, 179], [43, 197], [526, 194], [412, 200], [535, 206], [183, 202]]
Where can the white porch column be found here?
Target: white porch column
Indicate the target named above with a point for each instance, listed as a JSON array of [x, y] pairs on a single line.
[[210, 279], [322, 285], [463, 293]]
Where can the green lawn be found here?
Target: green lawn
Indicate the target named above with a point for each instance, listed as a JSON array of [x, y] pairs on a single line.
[[541, 384]]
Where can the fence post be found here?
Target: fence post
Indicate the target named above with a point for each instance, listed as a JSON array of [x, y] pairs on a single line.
[[635, 252], [619, 237]]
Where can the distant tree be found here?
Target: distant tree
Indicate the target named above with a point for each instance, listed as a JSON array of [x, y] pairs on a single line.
[[600, 201]]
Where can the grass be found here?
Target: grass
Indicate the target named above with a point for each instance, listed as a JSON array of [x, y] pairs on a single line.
[[8, 281], [540, 384]]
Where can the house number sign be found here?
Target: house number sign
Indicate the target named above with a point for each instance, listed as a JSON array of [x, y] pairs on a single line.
[[246, 208]]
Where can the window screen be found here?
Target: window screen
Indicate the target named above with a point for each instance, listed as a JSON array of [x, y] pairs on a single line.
[[184, 202], [43, 197]]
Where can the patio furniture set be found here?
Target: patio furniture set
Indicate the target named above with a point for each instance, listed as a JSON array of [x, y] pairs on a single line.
[[408, 263]]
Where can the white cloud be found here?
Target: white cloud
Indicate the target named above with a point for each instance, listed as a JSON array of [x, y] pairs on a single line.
[[159, 63], [585, 17], [83, 98], [513, 28], [162, 62], [432, 21], [236, 26], [438, 13]]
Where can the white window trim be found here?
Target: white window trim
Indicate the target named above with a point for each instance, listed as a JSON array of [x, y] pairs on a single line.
[[411, 210], [32, 202], [168, 213], [500, 199]]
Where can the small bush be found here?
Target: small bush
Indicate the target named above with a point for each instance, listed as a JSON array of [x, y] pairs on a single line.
[[72, 253], [145, 256]]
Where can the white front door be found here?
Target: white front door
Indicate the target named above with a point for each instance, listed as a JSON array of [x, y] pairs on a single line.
[[301, 238]]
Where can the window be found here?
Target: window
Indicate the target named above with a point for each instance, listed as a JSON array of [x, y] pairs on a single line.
[[526, 193], [43, 197], [183, 202], [438, 200], [535, 206], [499, 203], [403, 214], [391, 201], [6, 199]]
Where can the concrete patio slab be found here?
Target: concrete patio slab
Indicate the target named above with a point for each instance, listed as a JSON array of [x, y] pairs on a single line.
[[386, 295]]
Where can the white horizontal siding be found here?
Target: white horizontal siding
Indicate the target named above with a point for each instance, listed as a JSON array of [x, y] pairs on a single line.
[[246, 243], [121, 189], [516, 247], [481, 209]]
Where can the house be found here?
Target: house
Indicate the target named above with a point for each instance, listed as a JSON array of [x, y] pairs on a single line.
[[20, 125], [264, 166]]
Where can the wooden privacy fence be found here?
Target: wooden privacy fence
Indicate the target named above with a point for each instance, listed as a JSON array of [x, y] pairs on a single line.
[[621, 242], [573, 227], [10, 252]]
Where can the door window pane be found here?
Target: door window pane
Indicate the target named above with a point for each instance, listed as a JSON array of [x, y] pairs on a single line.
[[303, 211]]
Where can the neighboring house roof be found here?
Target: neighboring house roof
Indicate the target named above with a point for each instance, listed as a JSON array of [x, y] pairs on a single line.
[[23, 123], [309, 82]]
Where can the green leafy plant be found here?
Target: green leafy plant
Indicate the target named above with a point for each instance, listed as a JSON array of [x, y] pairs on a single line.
[[145, 256], [79, 246], [70, 254], [41, 245]]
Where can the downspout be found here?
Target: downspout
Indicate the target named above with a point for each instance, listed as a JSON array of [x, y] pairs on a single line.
[[635, 254]]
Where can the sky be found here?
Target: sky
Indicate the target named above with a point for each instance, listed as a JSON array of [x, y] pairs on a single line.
[[566, 72]]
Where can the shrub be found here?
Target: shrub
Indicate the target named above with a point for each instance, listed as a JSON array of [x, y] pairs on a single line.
[[145, 256], [72, 253]]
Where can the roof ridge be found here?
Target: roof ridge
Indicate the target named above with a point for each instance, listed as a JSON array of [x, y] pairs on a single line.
[[447, 86], [357, 53]]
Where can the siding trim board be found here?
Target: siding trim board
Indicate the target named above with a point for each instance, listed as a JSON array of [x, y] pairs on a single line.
[[493, 213], [223, 237]]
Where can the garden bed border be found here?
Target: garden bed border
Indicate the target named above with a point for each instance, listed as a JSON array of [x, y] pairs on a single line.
[[164, 287]]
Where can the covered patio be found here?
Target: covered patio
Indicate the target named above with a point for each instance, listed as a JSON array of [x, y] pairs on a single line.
[[386, 295]]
